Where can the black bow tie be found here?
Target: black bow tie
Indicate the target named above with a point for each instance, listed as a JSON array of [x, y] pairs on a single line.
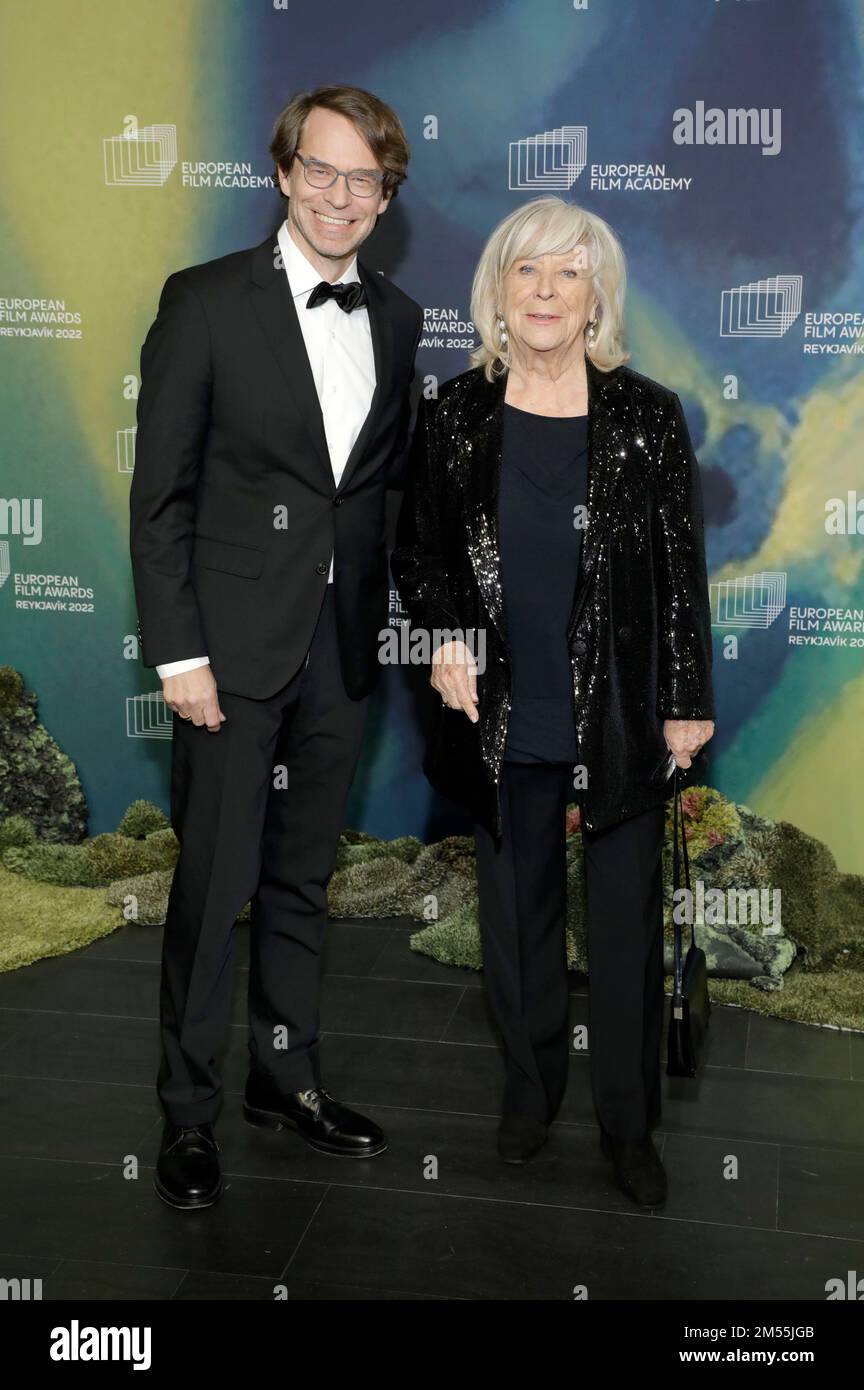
[[348, 297]]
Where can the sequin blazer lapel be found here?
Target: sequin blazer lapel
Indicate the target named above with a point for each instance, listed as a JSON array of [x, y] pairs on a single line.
[[480, 434]]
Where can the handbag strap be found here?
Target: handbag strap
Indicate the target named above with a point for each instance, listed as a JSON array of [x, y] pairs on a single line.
[[676, 883]]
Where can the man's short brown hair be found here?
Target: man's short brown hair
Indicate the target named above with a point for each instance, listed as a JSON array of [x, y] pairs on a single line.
[[375, 120]]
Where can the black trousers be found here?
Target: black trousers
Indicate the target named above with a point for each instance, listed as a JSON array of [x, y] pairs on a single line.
[[258, 810], [522, 889]]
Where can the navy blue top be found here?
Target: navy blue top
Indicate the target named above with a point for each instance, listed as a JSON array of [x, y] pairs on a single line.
[[544, 477]]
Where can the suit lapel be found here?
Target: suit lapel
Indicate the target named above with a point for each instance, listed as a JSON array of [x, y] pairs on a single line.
[[607, 450], [273, 304], [482, 428], [480, 439], [382, 348]]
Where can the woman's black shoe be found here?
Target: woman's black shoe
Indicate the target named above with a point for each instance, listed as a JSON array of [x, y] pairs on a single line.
[[187, 1171], [520, 1138], [638, 1170]]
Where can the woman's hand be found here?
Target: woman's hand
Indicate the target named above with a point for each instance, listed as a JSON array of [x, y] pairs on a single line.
[[454, 676], [686, 736]]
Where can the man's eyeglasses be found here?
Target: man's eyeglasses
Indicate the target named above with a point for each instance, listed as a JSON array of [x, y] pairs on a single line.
[[361, 182]]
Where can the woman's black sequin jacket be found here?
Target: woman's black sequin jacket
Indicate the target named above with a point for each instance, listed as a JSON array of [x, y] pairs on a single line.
[[640, 629]]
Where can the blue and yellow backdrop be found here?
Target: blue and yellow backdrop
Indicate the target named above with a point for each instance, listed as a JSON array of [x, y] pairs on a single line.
[[723, 141]]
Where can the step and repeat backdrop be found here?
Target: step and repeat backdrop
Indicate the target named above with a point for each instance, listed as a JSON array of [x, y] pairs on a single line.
[[722, 139]]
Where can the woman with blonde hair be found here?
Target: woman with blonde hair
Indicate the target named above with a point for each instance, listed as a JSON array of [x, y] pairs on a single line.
[[554, 511]]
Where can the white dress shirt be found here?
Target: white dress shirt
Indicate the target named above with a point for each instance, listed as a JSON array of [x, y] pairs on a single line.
[[339, 348]]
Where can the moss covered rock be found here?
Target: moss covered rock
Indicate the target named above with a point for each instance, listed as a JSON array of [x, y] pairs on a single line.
[[141, 819], [101, 860], [729, 847], [16, 830], [37, 780]]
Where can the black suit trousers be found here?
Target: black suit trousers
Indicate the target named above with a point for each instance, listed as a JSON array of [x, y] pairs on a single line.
[[522, 885], [258, 810]]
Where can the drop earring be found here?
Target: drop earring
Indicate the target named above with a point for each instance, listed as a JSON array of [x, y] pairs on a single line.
[[591, 333], [502, 331]]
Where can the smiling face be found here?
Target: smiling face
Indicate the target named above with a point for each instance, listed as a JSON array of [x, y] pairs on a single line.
[[330, 223], [547, 301]]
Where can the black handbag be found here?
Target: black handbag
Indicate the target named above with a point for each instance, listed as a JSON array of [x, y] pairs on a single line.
[[690, 1008]]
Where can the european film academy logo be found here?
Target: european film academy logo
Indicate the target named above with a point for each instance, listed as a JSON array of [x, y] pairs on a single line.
[[125, 445], [147, 716], [5, 563], [763, 309], [755, 600], [141, 156], [554, 159]]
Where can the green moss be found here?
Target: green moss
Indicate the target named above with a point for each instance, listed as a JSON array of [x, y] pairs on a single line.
[[164, 842], [729, 847], [114, 856], [98, 861], [16, 830], [812, 970], [37, 780], [60, 865], [11, 691], [831, 997], [358, 837], [405, 849], [455, 942], [142, 818], [142, 898], [37, 920]]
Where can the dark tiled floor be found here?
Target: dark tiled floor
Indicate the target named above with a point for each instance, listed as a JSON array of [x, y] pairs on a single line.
[[765, 1152]]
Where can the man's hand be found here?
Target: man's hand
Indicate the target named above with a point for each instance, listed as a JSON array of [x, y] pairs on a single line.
[[686, 736], [193, 693], [454, 676]]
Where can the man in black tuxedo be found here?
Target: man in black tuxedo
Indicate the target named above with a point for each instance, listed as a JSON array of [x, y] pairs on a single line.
[[274, 402]]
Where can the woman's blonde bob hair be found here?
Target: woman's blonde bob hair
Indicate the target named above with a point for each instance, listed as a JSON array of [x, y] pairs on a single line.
[[550, 226]]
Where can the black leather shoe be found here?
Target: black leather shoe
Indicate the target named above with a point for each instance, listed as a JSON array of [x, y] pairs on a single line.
[[638, 1170], [187, 1170], [323, 1122], [520, 1138]]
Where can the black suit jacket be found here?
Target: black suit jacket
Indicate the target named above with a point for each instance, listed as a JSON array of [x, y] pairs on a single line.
[[234, 511], [639, 634]]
